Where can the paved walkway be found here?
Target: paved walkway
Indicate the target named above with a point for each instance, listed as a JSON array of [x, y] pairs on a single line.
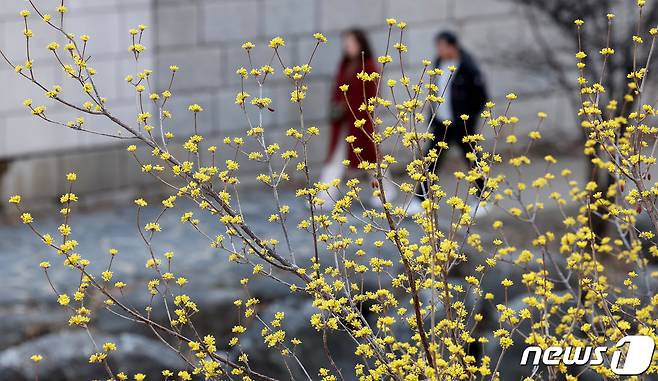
[[98, 231]]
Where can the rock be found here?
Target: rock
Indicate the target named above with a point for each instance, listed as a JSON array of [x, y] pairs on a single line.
[[510, 368], [11, 374], [22, 322], [298, 311], [66, 356], [401, 328], [216, 316], [647, 284], [644, 224], [266, 289]]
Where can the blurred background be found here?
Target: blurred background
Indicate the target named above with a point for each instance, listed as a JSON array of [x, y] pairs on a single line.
[[203, 38], [526, 47]]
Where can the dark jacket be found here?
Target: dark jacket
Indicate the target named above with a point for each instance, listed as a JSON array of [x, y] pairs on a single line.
[[468, 91]]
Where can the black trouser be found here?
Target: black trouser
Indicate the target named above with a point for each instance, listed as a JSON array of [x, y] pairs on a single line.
[[453, 135]]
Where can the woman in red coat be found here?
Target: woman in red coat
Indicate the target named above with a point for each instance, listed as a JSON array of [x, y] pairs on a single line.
[[344, 112]]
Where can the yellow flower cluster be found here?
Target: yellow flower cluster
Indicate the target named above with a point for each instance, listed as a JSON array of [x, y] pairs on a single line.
[[572, 291]]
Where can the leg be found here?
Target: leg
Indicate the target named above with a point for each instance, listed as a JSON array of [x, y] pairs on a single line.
[[441, 134], [334, 169], [466, 148], [4, 167], [389, 189]]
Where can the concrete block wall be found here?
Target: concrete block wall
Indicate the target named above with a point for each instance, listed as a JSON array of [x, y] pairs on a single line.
[[44, 153], [203, 38]]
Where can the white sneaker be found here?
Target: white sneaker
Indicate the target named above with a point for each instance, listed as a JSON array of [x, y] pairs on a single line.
[[391, 192]]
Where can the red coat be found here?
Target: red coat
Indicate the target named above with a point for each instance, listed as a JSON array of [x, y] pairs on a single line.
[[347, 75]]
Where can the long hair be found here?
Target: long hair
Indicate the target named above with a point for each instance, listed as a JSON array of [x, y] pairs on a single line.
[[362, 40]]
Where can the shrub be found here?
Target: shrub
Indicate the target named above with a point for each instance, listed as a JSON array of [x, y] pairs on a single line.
[[427, 317]]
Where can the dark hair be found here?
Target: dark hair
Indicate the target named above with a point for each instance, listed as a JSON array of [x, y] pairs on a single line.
[[362, 40], [447, 36]]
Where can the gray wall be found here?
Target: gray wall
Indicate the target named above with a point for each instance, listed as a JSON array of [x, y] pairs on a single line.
[[203, 38]]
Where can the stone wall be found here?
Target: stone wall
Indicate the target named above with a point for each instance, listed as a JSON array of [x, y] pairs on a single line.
[[42, 153], [203, 38]]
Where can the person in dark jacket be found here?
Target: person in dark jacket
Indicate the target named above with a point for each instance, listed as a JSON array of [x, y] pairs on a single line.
[[464, 92]]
